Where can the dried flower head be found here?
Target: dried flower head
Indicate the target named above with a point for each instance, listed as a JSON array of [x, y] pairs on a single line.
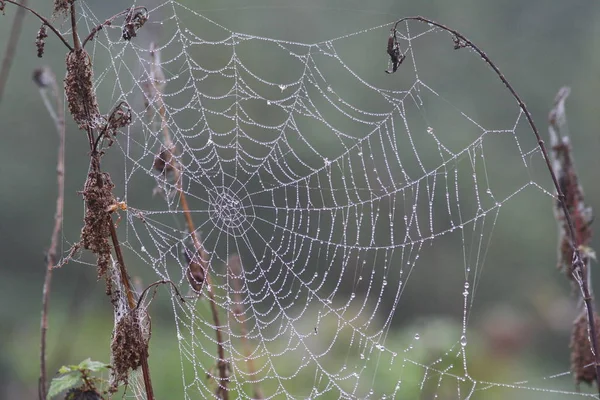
[[135, 19], [582, 358], [129, 345], [40, 40], [119, 118], [79, 89], [61, 7]]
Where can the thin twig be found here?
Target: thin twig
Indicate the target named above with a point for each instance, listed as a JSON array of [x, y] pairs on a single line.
[[108, 22], [58, 219], [161, 282], [45, 21], [15, 32], [222, 363], [577, 260]]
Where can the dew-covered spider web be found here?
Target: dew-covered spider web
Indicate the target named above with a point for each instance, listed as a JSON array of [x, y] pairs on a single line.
[[353, 223]]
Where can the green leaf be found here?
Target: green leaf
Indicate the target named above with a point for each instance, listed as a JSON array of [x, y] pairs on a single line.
[[93, 366], [64, 382]]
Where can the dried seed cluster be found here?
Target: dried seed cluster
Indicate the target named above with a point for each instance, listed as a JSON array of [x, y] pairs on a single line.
[[62, 7], [40, 40], [128, 347], [582, 359], [98, 198], [79, 89]]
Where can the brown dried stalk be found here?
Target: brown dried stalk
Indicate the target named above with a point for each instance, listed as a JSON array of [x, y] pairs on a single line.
[[15, 32], [585, 331], [578, 266], [236, 271], [201, 266], [564, 168], [45, 79]]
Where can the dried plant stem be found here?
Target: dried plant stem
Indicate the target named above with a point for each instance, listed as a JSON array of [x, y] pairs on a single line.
[[132, 305], [235, 269], [45, 21], [76, 43], [578, 265], [15, 32], [222, 364], [59, 122]]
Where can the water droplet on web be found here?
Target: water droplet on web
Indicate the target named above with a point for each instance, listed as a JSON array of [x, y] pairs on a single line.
[[384, 283], [430, 130], [268, 102], [143, 249], [329, 89], [417, 336], [360, 153], [282, 87], [467, 285], [327, 162], [463, 340], [362, 356]]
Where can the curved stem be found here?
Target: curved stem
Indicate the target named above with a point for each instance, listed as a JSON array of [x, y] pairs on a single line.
[[577, 260], [45, 21]]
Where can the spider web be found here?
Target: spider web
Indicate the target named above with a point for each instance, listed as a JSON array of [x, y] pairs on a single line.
[[322, 190]]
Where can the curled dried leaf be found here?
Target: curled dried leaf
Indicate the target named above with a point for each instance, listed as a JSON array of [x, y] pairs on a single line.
[[164, 162], [393, 50], [582, 358], [40, 41], [135, 19], [195, 271], [79, 89]]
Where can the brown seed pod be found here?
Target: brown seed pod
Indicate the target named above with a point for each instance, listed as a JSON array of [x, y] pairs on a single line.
[[582, 359], [80, 92]]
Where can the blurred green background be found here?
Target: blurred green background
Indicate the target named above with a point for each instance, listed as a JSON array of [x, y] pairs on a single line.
[[519, 322]]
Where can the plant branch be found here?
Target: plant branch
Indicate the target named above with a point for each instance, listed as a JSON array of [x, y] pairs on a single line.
[[45, 21], [578, 265], [15, 32], [59, 122], [76, 43], [108, 22], [132, 304]]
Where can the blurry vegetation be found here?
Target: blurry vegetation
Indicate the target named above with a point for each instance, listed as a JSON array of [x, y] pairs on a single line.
[[521, 315]]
